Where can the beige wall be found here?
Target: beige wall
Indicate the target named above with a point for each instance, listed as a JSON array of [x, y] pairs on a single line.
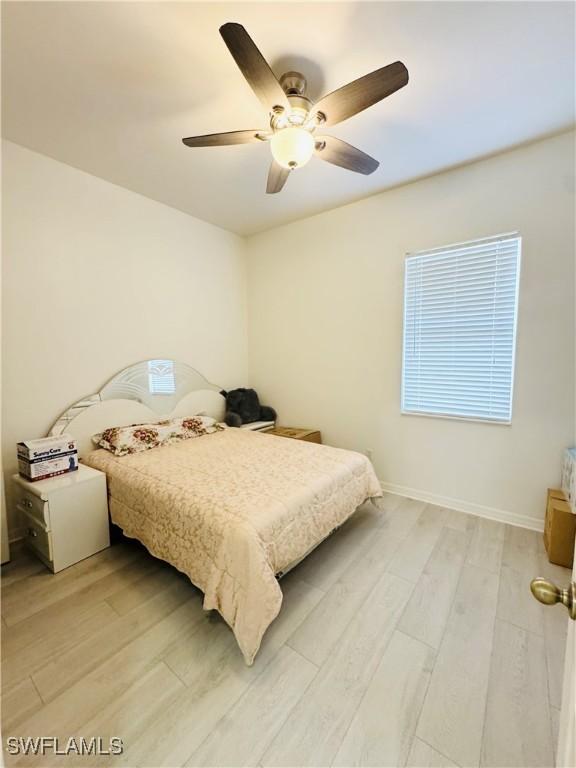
[[325, 329], [96, 278]]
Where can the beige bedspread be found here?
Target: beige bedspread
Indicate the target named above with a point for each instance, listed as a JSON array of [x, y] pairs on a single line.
[[233, 509]]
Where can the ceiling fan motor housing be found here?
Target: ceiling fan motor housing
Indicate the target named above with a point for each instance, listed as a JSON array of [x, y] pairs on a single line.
[[293, 83], [294, 86]]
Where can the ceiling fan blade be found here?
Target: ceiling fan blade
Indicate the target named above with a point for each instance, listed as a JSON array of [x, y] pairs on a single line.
[[362, 93], [277, 176], [340, 153], [254, 67], [220, 139]]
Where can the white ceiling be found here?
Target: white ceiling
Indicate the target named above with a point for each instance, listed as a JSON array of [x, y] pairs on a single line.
[[111, 87]]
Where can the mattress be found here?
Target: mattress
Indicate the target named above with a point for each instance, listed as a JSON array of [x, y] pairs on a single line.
[[233, 509]]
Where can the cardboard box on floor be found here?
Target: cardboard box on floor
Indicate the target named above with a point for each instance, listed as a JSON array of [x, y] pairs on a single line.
[[559, 529]]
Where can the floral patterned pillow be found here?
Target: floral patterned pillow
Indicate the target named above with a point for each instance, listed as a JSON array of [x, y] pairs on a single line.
[[140, 437]]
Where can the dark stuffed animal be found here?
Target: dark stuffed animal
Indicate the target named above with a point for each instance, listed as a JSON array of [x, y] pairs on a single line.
[[243, 407]]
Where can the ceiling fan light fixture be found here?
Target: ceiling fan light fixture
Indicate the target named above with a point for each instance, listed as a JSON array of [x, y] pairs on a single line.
[[292, 147]]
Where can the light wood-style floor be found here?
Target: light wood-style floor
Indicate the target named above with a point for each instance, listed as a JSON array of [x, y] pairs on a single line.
[[408, 638]]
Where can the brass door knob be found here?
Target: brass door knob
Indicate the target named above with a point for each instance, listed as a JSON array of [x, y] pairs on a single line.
[[549, 594]]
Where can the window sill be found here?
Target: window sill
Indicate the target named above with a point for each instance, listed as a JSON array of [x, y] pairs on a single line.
[[452, 417]]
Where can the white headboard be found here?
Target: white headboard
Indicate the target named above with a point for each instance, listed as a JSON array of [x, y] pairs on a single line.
[[145, 392]]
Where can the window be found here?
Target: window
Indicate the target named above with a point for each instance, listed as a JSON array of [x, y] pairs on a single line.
[[460, 306], [161, 379]]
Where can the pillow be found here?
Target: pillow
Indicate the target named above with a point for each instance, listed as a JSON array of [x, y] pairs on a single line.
[[207, 421], [140, 437]]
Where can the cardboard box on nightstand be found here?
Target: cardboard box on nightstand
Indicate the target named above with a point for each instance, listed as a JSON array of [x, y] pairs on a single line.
[[559, 529]]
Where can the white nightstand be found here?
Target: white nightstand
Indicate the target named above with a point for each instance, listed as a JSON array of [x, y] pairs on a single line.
[[65, 517]]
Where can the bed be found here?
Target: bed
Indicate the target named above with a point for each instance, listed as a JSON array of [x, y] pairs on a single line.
[[232, 509]]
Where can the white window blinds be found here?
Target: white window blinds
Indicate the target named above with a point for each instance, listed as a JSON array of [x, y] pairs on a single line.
[[460, 306]]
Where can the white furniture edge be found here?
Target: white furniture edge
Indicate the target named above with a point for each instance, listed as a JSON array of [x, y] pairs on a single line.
[[51, 485], [491, 513]]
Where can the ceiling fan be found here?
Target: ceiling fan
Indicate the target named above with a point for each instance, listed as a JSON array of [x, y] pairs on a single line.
[[294, 120]]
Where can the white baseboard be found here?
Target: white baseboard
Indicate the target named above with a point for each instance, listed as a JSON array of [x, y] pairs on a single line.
[[17, 534], [491, 513]]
